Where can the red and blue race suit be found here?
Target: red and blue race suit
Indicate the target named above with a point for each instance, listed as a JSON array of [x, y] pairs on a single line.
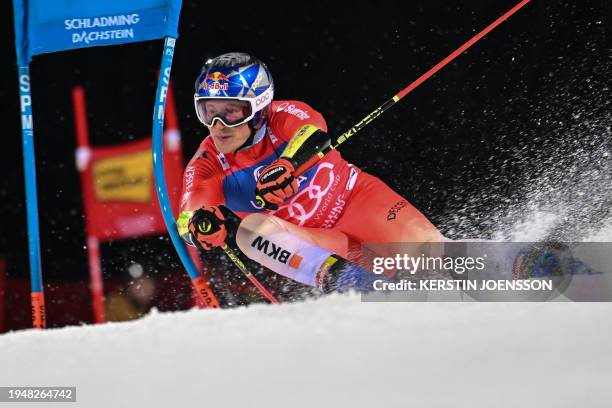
[[336, 201]]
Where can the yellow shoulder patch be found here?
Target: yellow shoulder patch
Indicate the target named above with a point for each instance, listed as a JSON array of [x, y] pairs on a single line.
[[182, 223], [298, 140]]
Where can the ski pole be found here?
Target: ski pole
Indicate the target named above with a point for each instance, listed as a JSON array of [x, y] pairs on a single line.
[[378, 111], [243, 268], [208, 223]]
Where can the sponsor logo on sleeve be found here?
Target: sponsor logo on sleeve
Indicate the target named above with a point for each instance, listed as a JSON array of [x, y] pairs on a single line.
[[189, 177], [293, 110]]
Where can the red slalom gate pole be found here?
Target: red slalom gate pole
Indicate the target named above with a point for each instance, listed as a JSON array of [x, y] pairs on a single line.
[[378, 111], [83, 156], [95, 278]]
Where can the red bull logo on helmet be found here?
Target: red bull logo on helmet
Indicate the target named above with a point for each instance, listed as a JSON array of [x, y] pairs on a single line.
[[217, 76], [216, 81]]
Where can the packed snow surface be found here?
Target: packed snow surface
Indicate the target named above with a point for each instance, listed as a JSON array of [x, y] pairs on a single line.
[[332, 352]]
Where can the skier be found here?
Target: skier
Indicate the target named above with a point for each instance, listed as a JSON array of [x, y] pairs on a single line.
[[249, 164]]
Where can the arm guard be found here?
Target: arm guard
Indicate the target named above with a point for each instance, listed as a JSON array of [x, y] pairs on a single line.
[[305, 143], [182, 225]]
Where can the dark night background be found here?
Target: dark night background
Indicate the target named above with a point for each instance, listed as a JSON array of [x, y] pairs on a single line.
[[486, 116]]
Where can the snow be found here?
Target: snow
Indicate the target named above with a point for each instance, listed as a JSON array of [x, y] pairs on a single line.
[[334, 351]]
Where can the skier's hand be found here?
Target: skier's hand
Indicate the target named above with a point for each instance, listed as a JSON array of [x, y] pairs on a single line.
[[207, 228], [275, 184]]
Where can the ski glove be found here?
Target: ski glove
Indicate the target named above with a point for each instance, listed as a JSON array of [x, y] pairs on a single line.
[[207, 228], [275, 184]]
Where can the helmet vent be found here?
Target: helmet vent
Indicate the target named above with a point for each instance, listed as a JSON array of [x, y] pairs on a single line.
[[231, 59]]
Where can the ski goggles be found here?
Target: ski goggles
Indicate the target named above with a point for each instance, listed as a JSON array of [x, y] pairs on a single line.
[[231, 111]]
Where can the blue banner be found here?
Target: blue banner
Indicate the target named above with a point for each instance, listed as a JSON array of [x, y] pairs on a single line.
[[43, 26]]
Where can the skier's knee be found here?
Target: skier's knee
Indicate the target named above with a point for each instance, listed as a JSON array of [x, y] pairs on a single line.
[[420, 231], [266, 240], [273, 243]]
